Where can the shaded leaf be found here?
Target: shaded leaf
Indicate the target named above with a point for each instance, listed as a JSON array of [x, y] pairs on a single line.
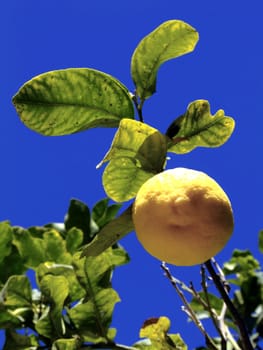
[[103, 213], [138, 152], [20, 341], [74, 239], [93, 318], [78, 216], [171, 39], [55, 289], [110, 234], [197, 127], [71, 100], [6, 235], [12, 264]]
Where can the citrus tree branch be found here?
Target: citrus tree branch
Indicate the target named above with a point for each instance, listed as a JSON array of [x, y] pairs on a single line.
[[220, 285]]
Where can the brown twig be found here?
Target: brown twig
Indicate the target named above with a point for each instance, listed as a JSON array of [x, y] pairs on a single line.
[[222, 289]]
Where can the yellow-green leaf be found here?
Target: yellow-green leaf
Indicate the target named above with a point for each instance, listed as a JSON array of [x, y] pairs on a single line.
[[171, 39], [71, 100], [197, 127]]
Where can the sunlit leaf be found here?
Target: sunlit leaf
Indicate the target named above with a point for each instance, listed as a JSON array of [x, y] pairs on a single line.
[[66, 344], [56, 290], [197, 127], [155, 331], [171, 39], [71, 100], [74, 239], [138, 152], [55, 248], [110, 234], [6, 235]]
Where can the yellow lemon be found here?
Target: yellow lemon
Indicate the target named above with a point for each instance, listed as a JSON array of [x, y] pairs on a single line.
[[182, 216]]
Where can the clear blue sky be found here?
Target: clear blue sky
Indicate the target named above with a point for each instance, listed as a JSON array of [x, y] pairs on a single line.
[[40, 175]]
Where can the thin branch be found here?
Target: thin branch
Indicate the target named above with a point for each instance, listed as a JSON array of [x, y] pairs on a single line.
[[187, 308], [219, 283], [138, 104]]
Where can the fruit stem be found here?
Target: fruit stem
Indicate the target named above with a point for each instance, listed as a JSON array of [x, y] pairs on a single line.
[[222, 289]]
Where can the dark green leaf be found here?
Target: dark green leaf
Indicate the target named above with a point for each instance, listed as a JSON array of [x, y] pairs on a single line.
[[6, 235], [15, 341], [138, 152], [74, 239], [171, 39], [79, 216], [197, 127], [110, 234], [71, 100], [103, 213], [12, 264]]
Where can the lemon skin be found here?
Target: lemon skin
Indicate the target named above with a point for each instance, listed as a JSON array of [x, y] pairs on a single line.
[[182, 216]]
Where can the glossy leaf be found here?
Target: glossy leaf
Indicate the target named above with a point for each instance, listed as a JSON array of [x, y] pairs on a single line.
[[138, 152], [155, 331], [197, 127], [103, 213], [71, 100], [6, 235], [110, 234], [171, 39]]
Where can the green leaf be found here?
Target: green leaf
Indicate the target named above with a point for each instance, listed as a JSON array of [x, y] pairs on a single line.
[[242, 263], [103, 213], [55, 248], [55, 289], [12, 264], [17, 292], [75, 290], [20, 341], [78, 216], [66, 344], [93, 318], [6, 235], [110, 234], [74, 239], [171, 39], [260, 241], [138, 152], [71, 100], [155, 331], [197, 127]]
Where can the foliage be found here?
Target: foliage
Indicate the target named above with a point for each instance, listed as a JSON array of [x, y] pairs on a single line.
[[73, 262]]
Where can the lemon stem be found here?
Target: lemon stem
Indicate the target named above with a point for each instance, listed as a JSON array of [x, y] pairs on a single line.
[[223, 290]]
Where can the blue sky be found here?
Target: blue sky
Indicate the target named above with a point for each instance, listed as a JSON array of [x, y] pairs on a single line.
[[40, 175]]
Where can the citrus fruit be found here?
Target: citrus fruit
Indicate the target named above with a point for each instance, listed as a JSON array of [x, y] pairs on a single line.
[[182, 216]]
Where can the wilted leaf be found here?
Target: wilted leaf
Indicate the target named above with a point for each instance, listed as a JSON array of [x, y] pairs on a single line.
[[138, 152], [110, 234], [171, 39], [6, 235], [71, 100], [197, 127]]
